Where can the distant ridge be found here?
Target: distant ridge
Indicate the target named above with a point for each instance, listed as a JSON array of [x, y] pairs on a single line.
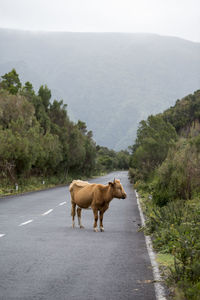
[[109, 80], [92, 32]]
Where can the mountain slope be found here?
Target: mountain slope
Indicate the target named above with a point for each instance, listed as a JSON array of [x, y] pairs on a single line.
[[109, 80]]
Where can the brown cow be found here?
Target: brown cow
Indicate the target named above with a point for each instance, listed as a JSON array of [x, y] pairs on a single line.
[[96, 196]]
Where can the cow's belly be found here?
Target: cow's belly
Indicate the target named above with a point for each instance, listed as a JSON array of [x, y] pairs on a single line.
[[82, 200]]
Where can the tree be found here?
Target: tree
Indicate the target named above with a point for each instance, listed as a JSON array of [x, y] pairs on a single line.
[[123, 158], [82, 127], [41, 114], [11, 82], [28, 91], [38, 138], [178, 176], [154, 138], [58, 113], [77, 150], [13, 107], [184, 112], [49, 154], [90, 154], [45, 95]]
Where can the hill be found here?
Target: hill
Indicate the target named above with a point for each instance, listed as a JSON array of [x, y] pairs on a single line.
[[165, 167], [109, 80]]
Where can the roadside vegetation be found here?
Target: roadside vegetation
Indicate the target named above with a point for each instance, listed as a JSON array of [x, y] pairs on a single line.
[[40, 146], [165, 168]]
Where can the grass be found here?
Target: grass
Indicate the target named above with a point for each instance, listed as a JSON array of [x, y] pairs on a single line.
[[165, 260], [36, 183], [29, 185]]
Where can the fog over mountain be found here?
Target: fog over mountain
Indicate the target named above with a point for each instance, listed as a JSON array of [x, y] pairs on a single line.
[[109, 80]]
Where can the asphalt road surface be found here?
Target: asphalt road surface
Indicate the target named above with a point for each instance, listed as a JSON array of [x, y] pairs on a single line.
[[42, 257]]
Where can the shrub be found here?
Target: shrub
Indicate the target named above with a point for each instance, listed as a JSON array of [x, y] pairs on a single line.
[[175, 230], [178, 176]]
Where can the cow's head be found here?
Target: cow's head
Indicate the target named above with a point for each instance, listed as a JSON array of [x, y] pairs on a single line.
[[117, 189]]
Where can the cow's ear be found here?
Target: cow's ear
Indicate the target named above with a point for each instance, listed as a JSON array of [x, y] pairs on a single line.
[[111, 183]]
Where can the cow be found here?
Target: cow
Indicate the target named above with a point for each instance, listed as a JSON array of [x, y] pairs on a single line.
[[86, 195]]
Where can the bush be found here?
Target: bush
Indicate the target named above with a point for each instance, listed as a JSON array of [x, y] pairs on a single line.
[[186, 271], [154, 138], [178, 176], [175, 230]]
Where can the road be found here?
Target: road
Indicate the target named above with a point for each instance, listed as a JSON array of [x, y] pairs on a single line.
[[42, 257]]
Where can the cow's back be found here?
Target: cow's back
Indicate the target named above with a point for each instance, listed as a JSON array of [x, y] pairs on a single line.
[[77, 184]]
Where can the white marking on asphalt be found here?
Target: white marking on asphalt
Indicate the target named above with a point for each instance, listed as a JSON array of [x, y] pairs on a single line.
[[47, 212], [2, 234], [27, 222], [159, 289], [62, 203]]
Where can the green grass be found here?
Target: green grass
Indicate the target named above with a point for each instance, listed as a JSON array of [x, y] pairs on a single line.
[[165, 260], [35, 183], [28, 185]]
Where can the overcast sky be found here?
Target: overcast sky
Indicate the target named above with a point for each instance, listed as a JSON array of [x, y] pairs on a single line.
[[166, 17]]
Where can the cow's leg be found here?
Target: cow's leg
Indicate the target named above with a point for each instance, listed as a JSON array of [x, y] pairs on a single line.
[[102, 211], [79, 217], [95, 212], [73, 213], [101, 221]]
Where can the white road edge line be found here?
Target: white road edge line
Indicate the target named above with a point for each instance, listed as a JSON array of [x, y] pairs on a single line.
[[2, 234], [47, 212], [27, 222], [159, 289], [62, 203]]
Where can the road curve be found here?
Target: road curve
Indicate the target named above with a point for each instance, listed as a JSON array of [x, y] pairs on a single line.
[[42, 257]]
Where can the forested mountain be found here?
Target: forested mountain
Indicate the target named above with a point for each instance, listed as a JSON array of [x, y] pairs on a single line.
[[109, 80]]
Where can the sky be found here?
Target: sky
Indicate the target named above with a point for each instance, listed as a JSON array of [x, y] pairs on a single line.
[[179, 18]]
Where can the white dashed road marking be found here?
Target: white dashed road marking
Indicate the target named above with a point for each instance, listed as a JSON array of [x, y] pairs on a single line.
[[62, 203], [47, 212], [30, 221], [27, 222]]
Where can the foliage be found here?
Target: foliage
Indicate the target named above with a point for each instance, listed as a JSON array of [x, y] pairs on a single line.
[[175, 230], [154, 138], [123, 159], [13, 107], [171, 174], [178, 176], [45, 94], [38, 138], [108, 160], [184, 112], [11, 82]]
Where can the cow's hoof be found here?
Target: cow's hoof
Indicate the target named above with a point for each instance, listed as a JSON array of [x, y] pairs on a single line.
[[95, 229], [73, 225], [82, 226], [101, 229]]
